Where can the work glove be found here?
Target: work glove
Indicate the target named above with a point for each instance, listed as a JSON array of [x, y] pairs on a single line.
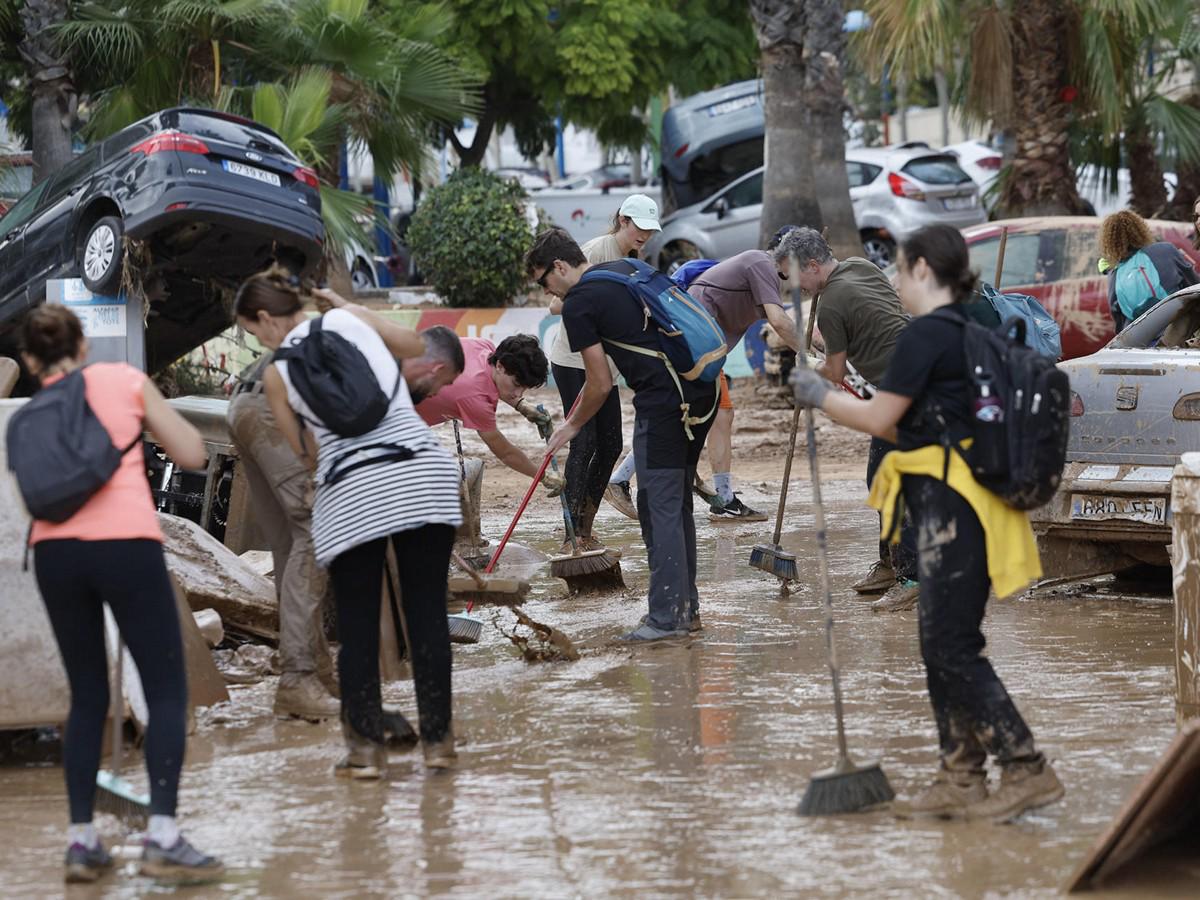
[[808, 388], [538, 416], [553, 484]]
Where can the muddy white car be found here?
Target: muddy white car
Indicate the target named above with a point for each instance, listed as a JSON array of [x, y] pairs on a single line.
[[1135, 408]]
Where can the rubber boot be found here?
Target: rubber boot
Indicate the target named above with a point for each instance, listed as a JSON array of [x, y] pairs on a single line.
[[365, 760]]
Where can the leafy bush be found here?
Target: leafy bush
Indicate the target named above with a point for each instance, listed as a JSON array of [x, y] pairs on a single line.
[[469, 237]]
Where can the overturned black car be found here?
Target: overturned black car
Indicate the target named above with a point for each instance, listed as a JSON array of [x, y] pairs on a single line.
[[204, 198]]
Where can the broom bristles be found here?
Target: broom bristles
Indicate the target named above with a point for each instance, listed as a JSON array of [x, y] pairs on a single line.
[[116, 796], [596, 570], [846, 789], [464, 629], [496, 591], [775, 562]]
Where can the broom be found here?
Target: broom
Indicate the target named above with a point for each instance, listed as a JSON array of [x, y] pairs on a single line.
[[491, 589], [845, 787], [114, 794], [476, 559]]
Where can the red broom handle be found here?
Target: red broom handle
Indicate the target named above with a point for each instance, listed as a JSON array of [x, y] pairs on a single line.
[[528, 494]]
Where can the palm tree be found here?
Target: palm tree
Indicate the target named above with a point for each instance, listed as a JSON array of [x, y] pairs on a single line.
[[54, 98], [1030, 67]]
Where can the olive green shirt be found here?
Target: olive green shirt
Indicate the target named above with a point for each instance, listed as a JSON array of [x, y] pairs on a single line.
[[860, 315]]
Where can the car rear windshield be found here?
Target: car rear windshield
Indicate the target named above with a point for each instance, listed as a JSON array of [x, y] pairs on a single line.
[[936, 170], [231, 132]]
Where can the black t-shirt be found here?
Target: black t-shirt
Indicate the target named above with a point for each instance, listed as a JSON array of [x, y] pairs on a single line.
[[593, 311], [930, 367]]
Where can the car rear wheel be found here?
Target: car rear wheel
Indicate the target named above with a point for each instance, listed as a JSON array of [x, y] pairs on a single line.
[[101, 256], [362, 277], [879, 249]]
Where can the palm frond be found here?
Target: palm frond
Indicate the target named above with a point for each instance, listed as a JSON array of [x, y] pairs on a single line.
[[192, 12], [1178, 125], [349, 219], [987, 79], [104, 36], [914, 36]]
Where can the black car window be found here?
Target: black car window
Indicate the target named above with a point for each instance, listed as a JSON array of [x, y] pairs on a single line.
[[861, 173], [22, 210], [72, 173], [745, 193], [124, 139], [231, 132], [1021, 259], [936, 170]]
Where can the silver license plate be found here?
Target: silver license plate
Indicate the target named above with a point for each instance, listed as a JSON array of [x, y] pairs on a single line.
[[245, 171], [1096, 507], [959, 202]]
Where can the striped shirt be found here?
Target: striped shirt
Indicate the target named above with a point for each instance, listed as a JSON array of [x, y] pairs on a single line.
[[377, 500]]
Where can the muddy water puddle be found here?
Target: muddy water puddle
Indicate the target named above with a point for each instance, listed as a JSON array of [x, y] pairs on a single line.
[[669, 770]]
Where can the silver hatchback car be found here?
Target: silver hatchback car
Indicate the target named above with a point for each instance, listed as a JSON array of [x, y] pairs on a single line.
[[894, 190]]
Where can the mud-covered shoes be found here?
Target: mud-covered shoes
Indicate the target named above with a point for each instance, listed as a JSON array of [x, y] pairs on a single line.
[[948, 797], [902, 595], [440, 754], [84, 865], [1023, 786], [881, 577], [303, 696], [620, 497], [181, 861], [734, 510]]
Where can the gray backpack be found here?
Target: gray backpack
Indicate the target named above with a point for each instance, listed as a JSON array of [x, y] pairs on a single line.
[[59, 452]]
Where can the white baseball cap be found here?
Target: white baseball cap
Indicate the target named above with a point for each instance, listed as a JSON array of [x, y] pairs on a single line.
[[643, 211]]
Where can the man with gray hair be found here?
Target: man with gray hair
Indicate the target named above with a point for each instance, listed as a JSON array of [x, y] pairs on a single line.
[[442, 363], [860, 317]]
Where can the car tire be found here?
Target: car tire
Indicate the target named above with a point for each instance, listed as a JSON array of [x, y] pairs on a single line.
[[878, 249], [676, 254], [361, 276], [102, 256]]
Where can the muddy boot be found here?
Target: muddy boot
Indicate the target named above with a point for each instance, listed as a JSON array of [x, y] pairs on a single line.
[[397, 732], [327, 673], [902, 596], [365, 760], [440, 754], [1024, 786], [302, 696], [881, 577], [948, 797]]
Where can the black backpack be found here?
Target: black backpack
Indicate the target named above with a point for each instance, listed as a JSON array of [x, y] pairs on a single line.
[[1021, 404], [336, 381], [59, 452]]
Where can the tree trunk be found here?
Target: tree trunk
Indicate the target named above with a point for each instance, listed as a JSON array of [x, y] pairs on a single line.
[[472, 156], [825, 91], [54, 96], [1148, 190], [789, 196], [1042, 179], [943, 97]]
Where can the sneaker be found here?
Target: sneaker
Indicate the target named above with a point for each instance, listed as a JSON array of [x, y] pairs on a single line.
[[704, 490], [645, 633], [694, 624], [85, 864], [877, 580], [735, 509], [903, 595], [1023, 786], [180, 861], [440, 754], [621, 498], [304, 697], [948, 797]]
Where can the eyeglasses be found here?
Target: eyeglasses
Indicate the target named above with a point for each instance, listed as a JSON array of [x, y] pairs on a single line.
[[541, 282]]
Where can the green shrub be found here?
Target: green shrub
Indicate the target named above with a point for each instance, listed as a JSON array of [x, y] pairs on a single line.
[[469, 237]]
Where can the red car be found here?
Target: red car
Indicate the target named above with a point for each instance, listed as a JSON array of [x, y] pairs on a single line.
[[1054, 258]]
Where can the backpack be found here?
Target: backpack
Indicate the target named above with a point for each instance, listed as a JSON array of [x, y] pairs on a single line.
[[59, 451], [336, 381], [691, 343], [1041, 331], [691, 270], [1137, 284], [1021, 402]]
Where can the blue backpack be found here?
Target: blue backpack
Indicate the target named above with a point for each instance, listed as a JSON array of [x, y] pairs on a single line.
[[691, 343], [691, 270], [1041, 331], [1135, 278]]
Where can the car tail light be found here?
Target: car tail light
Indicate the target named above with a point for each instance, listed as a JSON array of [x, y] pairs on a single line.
[[170, 140], [991, 163], [902, 187], [1187, 407], [1076, 405], [306, 175], [171, 207]]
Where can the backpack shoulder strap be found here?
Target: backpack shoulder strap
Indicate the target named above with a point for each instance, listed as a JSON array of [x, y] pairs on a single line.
[[607, 275]]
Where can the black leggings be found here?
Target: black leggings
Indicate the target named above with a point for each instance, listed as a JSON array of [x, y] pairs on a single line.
[[594, 451], [974, 714], [423, 558], [76, 578]]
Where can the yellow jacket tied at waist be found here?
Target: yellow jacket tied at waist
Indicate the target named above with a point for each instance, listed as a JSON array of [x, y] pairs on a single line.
[[1012, 556]]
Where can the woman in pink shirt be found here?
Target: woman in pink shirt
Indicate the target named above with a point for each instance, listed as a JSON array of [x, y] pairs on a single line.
[[110, 552]]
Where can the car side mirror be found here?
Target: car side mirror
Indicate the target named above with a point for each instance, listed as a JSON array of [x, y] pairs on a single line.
[[721, 207]]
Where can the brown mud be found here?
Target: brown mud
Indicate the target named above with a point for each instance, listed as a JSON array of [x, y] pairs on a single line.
[[671, 770]]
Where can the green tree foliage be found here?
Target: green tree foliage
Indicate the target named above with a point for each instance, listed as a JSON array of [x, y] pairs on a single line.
[[469, 238], [595, 62]]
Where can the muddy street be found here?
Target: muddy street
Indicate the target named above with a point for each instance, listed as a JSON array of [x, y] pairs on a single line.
[[667, 770]]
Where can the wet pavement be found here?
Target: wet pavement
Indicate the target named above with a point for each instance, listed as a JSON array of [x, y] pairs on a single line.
[[668, 770]]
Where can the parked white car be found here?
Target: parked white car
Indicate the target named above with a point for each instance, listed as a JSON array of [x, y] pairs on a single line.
[[983, 163], [894, 191]]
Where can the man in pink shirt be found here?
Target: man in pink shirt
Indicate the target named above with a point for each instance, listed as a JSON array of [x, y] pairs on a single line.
[[492, 373]]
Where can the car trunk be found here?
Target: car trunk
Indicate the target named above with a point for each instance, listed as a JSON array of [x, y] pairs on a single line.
[[947, 187]]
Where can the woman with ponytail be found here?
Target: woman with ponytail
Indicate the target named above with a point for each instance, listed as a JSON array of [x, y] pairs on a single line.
[[924, 405]]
